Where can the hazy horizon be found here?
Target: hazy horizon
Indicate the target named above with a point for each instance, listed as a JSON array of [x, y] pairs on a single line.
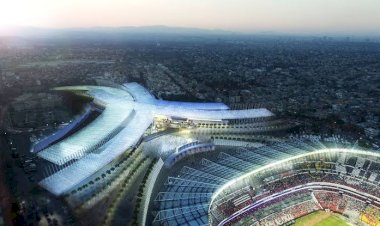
[[339, 17]]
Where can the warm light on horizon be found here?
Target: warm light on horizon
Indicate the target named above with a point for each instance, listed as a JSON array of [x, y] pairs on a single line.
[[293, 16]]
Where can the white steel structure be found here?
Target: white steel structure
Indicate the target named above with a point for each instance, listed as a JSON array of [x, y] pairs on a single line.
[[128, 113], [198, 194]]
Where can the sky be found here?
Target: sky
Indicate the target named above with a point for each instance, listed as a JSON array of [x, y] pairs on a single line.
[[285, 16]]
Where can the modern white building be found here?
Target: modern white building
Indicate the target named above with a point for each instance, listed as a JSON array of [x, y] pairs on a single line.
[[128, 112]]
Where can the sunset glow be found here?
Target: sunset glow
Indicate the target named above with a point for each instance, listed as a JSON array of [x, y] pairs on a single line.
[[294, 16]]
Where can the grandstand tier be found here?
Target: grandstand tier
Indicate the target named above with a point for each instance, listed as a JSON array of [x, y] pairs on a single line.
[[239, 186], [240, 181]]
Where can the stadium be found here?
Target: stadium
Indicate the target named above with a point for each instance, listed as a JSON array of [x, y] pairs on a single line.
[[274, 185], [203, 164]]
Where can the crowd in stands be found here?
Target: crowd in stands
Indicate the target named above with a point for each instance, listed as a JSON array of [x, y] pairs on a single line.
[[371, 215], [303, 209], [347, 205], [280, 210], [288, 214], [304, 178], [354, 207], [230, 207], [331, 200], [287, 208]]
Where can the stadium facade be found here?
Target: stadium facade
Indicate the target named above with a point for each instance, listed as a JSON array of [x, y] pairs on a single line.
[[204, 164], [128, 112]]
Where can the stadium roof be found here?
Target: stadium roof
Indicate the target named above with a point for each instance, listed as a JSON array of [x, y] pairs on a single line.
[[214, 180], [129, 111], [236, 183]]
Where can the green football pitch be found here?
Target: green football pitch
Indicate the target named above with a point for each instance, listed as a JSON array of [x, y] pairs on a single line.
[[321, 218]]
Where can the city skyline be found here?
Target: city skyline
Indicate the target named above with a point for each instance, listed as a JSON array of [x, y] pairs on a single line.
[[291, 17]]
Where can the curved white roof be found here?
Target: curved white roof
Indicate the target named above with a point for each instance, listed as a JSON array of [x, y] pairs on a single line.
[[64, 180], [129, 111], [192, 105]]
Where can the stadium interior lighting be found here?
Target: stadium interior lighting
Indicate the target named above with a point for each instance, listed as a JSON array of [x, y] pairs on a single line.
[[277, 163]]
